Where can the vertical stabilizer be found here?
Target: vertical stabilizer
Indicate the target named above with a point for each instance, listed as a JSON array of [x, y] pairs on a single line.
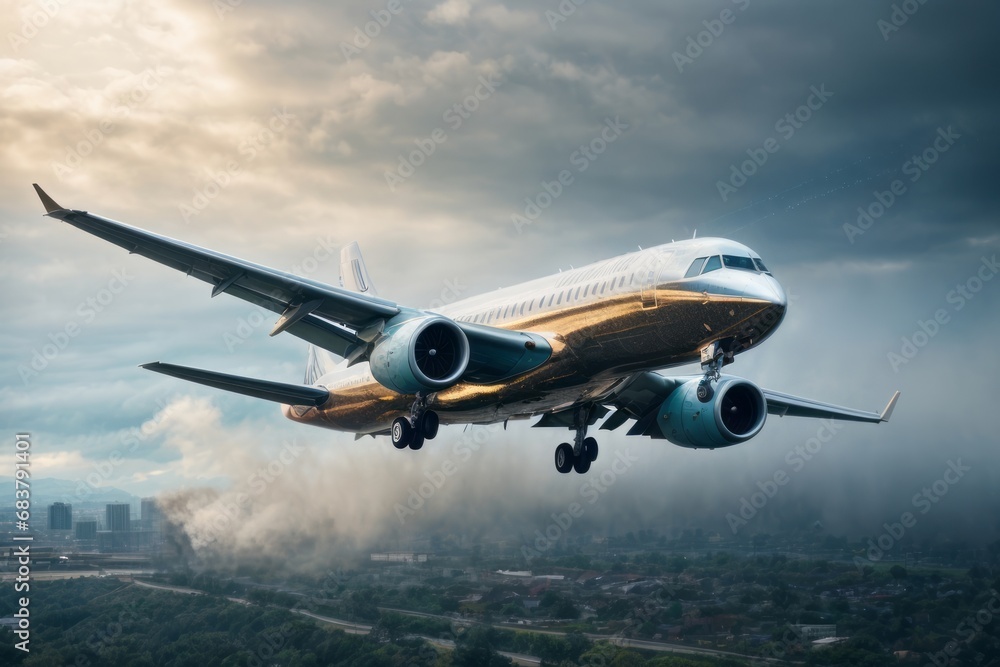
[[353, 272]]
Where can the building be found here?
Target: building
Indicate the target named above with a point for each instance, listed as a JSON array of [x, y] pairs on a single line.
[[398, 557], [60, 516], [813, 632], [117, 517], [151, 515], [86, 530]]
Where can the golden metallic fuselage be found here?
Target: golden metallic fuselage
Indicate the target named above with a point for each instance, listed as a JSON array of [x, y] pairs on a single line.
[[596, 345]]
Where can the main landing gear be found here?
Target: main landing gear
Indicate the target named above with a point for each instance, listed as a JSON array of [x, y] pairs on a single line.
[[583, 451], [422, 424]]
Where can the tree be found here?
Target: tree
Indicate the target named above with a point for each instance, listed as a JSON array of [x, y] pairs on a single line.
[[475, 649]]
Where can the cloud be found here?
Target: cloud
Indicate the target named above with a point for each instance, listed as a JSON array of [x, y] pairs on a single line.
[[450, 12], [161, 106]]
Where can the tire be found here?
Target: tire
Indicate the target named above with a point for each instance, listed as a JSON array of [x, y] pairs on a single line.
[[564, 458], [401, 433], [417, 441], [590, 449], [705, 391], [429, 424], [582, 464]]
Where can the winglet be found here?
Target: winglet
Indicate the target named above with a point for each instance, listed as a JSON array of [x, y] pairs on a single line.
[[47, 201], [889, 408]]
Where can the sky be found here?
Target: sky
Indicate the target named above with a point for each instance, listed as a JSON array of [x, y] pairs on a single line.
[[851, 144]]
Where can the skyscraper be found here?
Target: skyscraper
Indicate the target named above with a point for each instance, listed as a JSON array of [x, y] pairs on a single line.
[[151, 515], [86, 530], [117, 517], [60, 516]]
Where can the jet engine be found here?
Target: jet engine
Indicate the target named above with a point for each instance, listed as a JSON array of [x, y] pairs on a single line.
[[734, 414], [420, 355]]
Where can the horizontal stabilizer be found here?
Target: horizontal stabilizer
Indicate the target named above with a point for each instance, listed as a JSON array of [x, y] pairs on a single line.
[[279, 392]]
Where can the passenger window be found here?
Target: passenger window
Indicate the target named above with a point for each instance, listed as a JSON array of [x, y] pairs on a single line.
[[695, 267], [713, 264]]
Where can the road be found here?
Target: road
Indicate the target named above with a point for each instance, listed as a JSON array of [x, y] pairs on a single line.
[[527, 660]]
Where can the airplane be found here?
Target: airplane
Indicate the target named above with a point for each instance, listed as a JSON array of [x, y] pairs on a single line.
[[568, 348]]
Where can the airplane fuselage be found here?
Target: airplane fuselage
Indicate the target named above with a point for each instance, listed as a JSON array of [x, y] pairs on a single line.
[[604, 322]]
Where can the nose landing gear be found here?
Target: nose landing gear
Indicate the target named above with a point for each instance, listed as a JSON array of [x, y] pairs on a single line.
[[713, 357]]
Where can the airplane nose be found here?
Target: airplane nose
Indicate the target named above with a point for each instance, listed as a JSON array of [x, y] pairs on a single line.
[[765, 288]]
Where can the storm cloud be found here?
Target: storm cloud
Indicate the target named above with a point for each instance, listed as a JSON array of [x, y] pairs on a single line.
[[853, 145]]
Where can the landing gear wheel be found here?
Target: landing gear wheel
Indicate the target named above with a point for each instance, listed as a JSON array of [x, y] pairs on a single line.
[[705, 391], [590, 449], [418, 440], [564, 457], [582, 463], [428, 424], [402, 432]]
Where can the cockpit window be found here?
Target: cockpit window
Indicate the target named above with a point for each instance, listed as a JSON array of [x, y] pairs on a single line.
[[760, 265], [737, 262], [712, 264], [695, 267]]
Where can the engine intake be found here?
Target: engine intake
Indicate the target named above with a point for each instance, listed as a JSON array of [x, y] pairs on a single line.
[[424, 354], [734, 414]]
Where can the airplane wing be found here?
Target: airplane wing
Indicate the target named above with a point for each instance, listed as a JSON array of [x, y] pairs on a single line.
[[794, 406], [642, 397], [340, 320]]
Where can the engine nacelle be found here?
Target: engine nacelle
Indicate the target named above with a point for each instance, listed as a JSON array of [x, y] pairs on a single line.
[[734, 414], [423, 354]]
